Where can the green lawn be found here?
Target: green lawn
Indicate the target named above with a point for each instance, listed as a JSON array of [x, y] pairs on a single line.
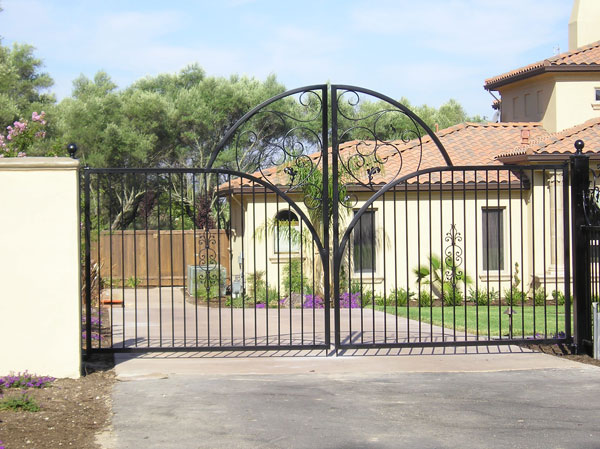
[[477, 318]]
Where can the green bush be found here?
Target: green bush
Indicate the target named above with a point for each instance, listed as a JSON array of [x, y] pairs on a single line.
[[399, 297], [482, 297], [294, 279], [452, 296], [381, 301], [558, 297], [424, 298], [514, 296], [539, 297], [257, 290]]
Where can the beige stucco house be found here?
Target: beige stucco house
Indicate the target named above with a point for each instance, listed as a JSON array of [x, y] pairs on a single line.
[[485, 221]]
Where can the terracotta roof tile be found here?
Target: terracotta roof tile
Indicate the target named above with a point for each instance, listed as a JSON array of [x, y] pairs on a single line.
[[588, 56], [561, 142], [467, 144]]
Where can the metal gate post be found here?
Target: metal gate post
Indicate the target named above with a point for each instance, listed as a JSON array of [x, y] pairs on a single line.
[[88, 276], [580, 165], [336, 222]]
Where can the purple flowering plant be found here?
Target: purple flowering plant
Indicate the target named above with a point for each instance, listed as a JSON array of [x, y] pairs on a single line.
[[22, 134], [95, 324], [25, 380], [350, 300]]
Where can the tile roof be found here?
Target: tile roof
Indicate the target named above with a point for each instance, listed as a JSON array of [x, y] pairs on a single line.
[[586, 58], [467, 144], [561, 142]]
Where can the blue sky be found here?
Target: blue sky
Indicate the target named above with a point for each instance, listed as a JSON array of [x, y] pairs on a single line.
[[427, 51]]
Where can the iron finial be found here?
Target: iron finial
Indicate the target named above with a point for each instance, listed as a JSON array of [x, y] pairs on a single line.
[[72, 149], [579, 144]]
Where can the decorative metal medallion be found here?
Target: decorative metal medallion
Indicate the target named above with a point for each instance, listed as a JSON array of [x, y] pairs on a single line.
[[453, 257]]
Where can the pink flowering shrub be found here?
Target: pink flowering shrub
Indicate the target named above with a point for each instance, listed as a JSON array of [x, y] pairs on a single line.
[[22, 135]]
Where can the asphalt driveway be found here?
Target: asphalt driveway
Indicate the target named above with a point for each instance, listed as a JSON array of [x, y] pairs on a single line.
[[481, 400]]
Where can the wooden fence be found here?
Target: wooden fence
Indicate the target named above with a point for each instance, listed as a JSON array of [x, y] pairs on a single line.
[[145, 257]]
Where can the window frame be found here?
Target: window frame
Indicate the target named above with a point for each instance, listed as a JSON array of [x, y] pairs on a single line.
[[372, 271], [484, 239], [290, 247]]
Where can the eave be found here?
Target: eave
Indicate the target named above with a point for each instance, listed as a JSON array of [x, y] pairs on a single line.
[[593, 68]]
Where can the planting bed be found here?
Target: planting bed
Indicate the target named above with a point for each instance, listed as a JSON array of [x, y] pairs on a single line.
[[72, 412]]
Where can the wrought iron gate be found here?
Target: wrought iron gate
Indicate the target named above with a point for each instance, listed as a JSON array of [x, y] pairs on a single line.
[[253, 251]]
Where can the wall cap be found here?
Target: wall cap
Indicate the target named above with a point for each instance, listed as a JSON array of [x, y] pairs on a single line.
[[38, 163]]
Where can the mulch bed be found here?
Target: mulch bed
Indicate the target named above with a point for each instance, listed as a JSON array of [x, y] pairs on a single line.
[[72, 412]]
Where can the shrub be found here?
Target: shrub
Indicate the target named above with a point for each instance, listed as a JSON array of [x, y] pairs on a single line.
[[514, 296], [399, 297], [558, 297], [482, 297], [539, 297], [424, 298], [452, 296], [381, 301], [294, 279]]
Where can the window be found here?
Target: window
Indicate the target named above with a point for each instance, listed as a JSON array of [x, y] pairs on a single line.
[[597, 93], [364, 243], [286, 232], [492, 239]]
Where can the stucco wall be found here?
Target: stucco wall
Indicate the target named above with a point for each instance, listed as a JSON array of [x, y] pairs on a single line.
[[40, 323], [558, 101], [576, 99]]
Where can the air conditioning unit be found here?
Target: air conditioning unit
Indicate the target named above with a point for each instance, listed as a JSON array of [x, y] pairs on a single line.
[[211, 278]]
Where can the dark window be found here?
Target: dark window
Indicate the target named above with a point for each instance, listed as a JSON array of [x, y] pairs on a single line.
[[493, 239], [287, 232], [364, 243], [597, 94]]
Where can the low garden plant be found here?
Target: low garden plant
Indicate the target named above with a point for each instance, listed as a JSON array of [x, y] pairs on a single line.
[[19, 402], [25, 380], [482, 297], [21, 381], [558, 297]]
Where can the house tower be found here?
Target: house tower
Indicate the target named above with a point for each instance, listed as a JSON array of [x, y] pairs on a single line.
[[584, 25]]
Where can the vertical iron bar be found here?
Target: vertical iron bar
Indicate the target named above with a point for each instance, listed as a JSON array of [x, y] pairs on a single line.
[[123, 256], [567, 250], [533, 234], [171, 260], [146, 206], [183, 266], [195, 283], [88, 263]]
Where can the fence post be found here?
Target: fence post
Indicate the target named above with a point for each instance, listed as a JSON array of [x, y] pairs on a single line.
[[580, 165]]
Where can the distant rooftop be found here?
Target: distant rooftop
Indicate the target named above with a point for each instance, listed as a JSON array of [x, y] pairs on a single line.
[[584, 59]]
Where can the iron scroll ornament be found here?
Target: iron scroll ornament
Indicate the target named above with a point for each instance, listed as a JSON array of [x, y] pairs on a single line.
[[453, 257], [280, 135], [379, 139]]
